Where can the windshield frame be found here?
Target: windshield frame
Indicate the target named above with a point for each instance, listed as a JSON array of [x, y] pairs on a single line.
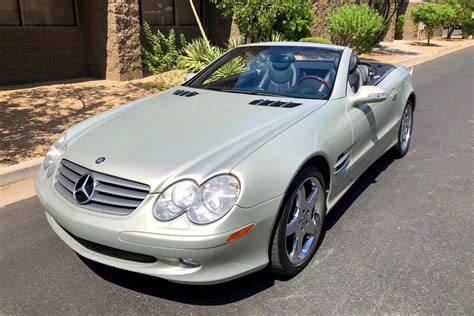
[[229, 55]]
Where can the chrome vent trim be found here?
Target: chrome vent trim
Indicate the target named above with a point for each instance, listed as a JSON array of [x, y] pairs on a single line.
[[112, 195], [342, 162], [278, 104], [185, 93]]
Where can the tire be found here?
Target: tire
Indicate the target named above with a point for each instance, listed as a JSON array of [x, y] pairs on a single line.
[[299, 223], [404, 132]]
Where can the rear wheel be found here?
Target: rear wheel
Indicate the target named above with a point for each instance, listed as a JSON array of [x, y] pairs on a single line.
[[299, 227], [405, 131]]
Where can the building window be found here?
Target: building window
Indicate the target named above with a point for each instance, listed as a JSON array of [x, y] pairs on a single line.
[[9, 13], [37, 13], [170, 12]]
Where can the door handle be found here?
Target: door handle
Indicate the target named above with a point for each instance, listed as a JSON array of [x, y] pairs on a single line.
[[393, 94]]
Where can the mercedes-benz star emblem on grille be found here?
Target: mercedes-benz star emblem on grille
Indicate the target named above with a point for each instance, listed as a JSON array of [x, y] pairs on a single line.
[[84, 189], [100, 160]]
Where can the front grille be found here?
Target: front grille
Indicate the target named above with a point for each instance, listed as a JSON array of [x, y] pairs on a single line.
[[112, 195], [112, 252]]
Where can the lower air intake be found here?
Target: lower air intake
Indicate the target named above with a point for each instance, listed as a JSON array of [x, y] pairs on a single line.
[[112, 252]]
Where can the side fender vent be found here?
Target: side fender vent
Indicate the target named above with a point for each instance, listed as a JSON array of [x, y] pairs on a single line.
[[277, 104], [185, 93]]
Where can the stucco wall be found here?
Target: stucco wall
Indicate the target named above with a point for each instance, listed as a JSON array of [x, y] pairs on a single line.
[[123, 40], [30, 54]]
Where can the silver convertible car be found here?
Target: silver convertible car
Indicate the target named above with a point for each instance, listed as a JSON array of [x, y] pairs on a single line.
[[230, 172]]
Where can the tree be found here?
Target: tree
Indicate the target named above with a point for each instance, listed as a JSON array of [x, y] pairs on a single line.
[[387, 10], [430, 14], [454, 14], [259, 19]]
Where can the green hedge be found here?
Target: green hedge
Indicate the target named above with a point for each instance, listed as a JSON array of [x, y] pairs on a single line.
[[356, 26], [319, 40]]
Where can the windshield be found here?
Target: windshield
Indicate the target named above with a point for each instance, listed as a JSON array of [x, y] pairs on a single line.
[[289, 71]]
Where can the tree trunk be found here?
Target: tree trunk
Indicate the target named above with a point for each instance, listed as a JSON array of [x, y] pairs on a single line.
[[450, 31]]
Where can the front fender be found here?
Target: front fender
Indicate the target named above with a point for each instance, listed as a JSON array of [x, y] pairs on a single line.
[[268, 171]]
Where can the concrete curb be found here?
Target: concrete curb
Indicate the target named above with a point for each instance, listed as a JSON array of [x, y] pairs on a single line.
[[22, 171]]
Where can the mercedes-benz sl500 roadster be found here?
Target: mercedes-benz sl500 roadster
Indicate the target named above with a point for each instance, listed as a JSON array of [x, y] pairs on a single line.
[[232, 171]]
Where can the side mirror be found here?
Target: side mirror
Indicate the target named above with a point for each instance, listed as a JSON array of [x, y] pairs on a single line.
[[189, 76], [368, 94]]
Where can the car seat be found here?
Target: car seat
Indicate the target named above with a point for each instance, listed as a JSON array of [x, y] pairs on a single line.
[[280, 75]]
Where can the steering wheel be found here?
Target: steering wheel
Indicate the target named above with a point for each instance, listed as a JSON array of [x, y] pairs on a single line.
[[322, 80]]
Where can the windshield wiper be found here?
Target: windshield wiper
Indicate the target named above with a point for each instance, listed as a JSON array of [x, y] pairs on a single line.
[[253, 92]]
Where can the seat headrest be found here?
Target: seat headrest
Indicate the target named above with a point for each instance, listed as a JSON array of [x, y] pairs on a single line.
[[353, 63], [282, 62]]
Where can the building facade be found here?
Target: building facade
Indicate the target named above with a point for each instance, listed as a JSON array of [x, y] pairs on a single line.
[[60, 39]]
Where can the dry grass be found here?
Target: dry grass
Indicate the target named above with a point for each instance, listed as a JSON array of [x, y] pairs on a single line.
[[32, 116]]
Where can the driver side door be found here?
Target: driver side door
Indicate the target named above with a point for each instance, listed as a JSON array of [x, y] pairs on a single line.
[[369, 123]]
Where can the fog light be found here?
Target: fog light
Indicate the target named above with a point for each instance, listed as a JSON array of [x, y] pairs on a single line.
[[189, 262]]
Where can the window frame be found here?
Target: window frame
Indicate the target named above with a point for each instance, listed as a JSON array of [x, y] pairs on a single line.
[[23, 25], [201, 15]]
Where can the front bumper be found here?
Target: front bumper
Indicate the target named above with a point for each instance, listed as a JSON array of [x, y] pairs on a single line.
[[141, 233]]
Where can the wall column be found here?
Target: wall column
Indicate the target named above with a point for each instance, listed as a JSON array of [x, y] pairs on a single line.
[[123, 40]]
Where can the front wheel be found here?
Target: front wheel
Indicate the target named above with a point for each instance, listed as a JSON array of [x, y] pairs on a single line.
[[299, 227], [405, 131]]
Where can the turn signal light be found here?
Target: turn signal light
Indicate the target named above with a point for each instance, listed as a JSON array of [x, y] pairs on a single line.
[[240, 233]]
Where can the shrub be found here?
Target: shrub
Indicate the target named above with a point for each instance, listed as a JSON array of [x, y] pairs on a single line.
[[430, 14], [234, 41], [468, 29], [399, 24], [257, 19], [164, 53], [294, 18], [278, 37], [319, 40], [197, 55], [356, 26]]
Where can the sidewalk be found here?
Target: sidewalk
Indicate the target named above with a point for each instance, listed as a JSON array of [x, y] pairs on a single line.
[[405, 52]]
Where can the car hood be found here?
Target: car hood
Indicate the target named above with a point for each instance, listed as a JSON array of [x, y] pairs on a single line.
[[165, 137]]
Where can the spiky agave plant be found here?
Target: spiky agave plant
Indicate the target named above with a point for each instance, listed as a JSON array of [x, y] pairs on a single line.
[[197, 55], [234, 41], [278, 37]]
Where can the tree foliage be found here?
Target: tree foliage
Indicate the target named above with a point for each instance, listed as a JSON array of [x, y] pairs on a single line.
[[356, 26], [399, 24], [454, 13], [430, 14], [294, 19], [259, 19]]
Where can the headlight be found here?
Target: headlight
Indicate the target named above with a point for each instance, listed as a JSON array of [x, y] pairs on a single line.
[[203, 204], [54, 155]]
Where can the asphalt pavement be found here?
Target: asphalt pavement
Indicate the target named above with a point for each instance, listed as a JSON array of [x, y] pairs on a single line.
[[401, 241]]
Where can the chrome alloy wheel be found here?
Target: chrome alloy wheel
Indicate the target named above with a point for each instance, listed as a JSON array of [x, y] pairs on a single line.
[[304, 220], [406, 127]]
